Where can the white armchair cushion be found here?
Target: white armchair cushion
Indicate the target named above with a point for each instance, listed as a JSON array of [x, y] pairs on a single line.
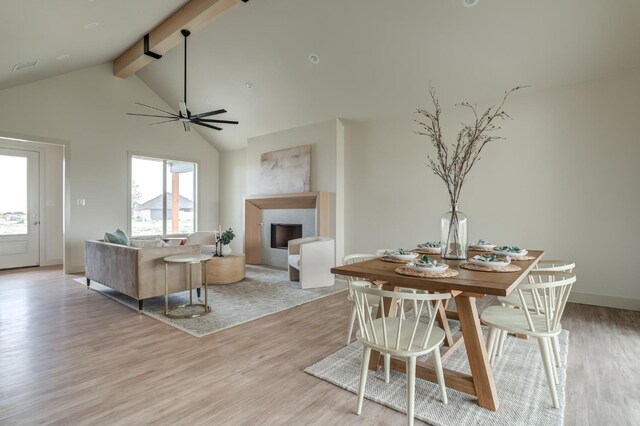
[[315, 258], [201, 238], [294, 261]]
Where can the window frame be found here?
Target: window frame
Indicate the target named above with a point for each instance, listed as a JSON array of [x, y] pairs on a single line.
[[165, 160]]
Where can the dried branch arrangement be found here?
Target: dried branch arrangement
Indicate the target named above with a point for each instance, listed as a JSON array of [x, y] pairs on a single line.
[[453, 163]]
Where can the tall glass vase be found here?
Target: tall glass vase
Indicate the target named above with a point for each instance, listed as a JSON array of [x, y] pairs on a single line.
[[453, 234]]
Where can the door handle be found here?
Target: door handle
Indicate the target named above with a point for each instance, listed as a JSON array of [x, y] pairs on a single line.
[[36, 222]]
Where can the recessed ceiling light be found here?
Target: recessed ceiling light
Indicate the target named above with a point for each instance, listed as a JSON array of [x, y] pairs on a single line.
[[314, 59], [207, 101], [91, 25], [248, 84], [24, 65], [63, 57], [469, 3]]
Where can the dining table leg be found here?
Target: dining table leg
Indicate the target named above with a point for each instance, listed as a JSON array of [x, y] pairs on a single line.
[[478, 360]]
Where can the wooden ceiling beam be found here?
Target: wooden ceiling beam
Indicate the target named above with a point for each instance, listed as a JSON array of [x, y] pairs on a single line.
[[192, 16]]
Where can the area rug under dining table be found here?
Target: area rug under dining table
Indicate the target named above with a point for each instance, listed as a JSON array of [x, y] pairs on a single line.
[[264, 291], [519, 376]]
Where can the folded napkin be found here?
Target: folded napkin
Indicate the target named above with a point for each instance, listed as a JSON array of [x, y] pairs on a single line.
[[426, 262], [509, 249]]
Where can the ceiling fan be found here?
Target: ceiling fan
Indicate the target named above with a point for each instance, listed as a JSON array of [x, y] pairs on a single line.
[[185, 115]]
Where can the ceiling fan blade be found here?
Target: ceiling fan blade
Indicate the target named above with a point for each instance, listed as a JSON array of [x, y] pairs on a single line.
[[216, 121], [207, 114], [150, 115], [157, 109], [161, 122], [187, 128], [183, 109], [206, 125]]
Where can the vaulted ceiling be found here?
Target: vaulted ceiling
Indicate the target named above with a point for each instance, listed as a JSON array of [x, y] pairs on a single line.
[[376, 57]]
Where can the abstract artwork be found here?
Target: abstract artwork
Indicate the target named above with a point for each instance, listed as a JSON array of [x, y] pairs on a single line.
[[287, 170]]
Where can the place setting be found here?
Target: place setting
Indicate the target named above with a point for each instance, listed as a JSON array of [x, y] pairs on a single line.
[[514, 252], [427, 267], [429, 247], [482, 245], [491, 262], [397, 256]]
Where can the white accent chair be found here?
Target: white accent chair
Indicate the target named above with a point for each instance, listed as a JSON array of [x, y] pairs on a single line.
[[205, 239], [396, 334], [552, 290], [513, 300], [310, 261]]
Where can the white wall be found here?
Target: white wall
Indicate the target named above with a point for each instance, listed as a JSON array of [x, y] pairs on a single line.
[[233, 189], [86, 109], [565, 180], [240, 170], [321, 137]]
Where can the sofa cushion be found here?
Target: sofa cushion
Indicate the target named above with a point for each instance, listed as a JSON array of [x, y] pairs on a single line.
[[294, 260], [117, 237], [144, 243]]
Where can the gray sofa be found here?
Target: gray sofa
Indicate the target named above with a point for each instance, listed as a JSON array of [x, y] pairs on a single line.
[[138, 272]]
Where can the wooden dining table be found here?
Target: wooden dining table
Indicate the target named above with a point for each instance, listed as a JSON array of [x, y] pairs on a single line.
[[465, 288]]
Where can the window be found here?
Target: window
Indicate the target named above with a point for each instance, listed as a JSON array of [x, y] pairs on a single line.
[[162, 196]]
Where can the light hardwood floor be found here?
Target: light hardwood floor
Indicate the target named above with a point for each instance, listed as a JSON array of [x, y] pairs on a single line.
[[69, 355]]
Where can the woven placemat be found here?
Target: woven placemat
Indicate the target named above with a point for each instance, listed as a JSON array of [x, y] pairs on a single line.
[[522, 258], [447, 273], [509, 268], [388, 259], [426, 251]]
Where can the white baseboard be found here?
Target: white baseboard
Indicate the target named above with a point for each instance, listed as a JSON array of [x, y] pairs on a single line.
[[51, 262], [71, 269], [340, 280], [607, 301]]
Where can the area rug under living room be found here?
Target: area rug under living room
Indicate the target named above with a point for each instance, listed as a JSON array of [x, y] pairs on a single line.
[[263, 292], [519, 376]]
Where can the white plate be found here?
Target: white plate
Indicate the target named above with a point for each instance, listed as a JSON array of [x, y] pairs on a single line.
[[430, 250], [406, 256], [488, 264], [438, 268], [485, 246], [384, 252], [521, 253]]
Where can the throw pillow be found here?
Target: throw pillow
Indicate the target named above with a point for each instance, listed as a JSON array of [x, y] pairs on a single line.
[[117, 237], [123, 236]]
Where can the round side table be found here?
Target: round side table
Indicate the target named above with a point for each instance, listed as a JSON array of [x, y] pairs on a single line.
[[226, 270], [189, 261]]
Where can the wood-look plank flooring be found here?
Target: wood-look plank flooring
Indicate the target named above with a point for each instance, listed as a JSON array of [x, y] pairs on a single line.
[[69, 355]]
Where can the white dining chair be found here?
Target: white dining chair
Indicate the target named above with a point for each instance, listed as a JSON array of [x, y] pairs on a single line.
[[355, 281], [513, 300], [400, 333], [551, 290]]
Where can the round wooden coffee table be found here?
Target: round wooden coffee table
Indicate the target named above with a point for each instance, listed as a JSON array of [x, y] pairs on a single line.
[[226, 270]]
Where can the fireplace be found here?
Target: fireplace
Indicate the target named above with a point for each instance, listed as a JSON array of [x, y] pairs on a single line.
[[281, 233]]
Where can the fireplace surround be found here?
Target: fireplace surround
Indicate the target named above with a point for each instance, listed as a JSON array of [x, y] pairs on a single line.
[[320, 201]]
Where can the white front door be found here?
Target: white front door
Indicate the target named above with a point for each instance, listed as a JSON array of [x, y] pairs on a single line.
[[19, 208]]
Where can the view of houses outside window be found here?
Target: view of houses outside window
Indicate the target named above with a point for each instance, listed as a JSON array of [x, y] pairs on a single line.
[[162, 196], [13, 195]]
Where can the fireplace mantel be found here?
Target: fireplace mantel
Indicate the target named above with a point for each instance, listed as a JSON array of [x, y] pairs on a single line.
[[320, 201]]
